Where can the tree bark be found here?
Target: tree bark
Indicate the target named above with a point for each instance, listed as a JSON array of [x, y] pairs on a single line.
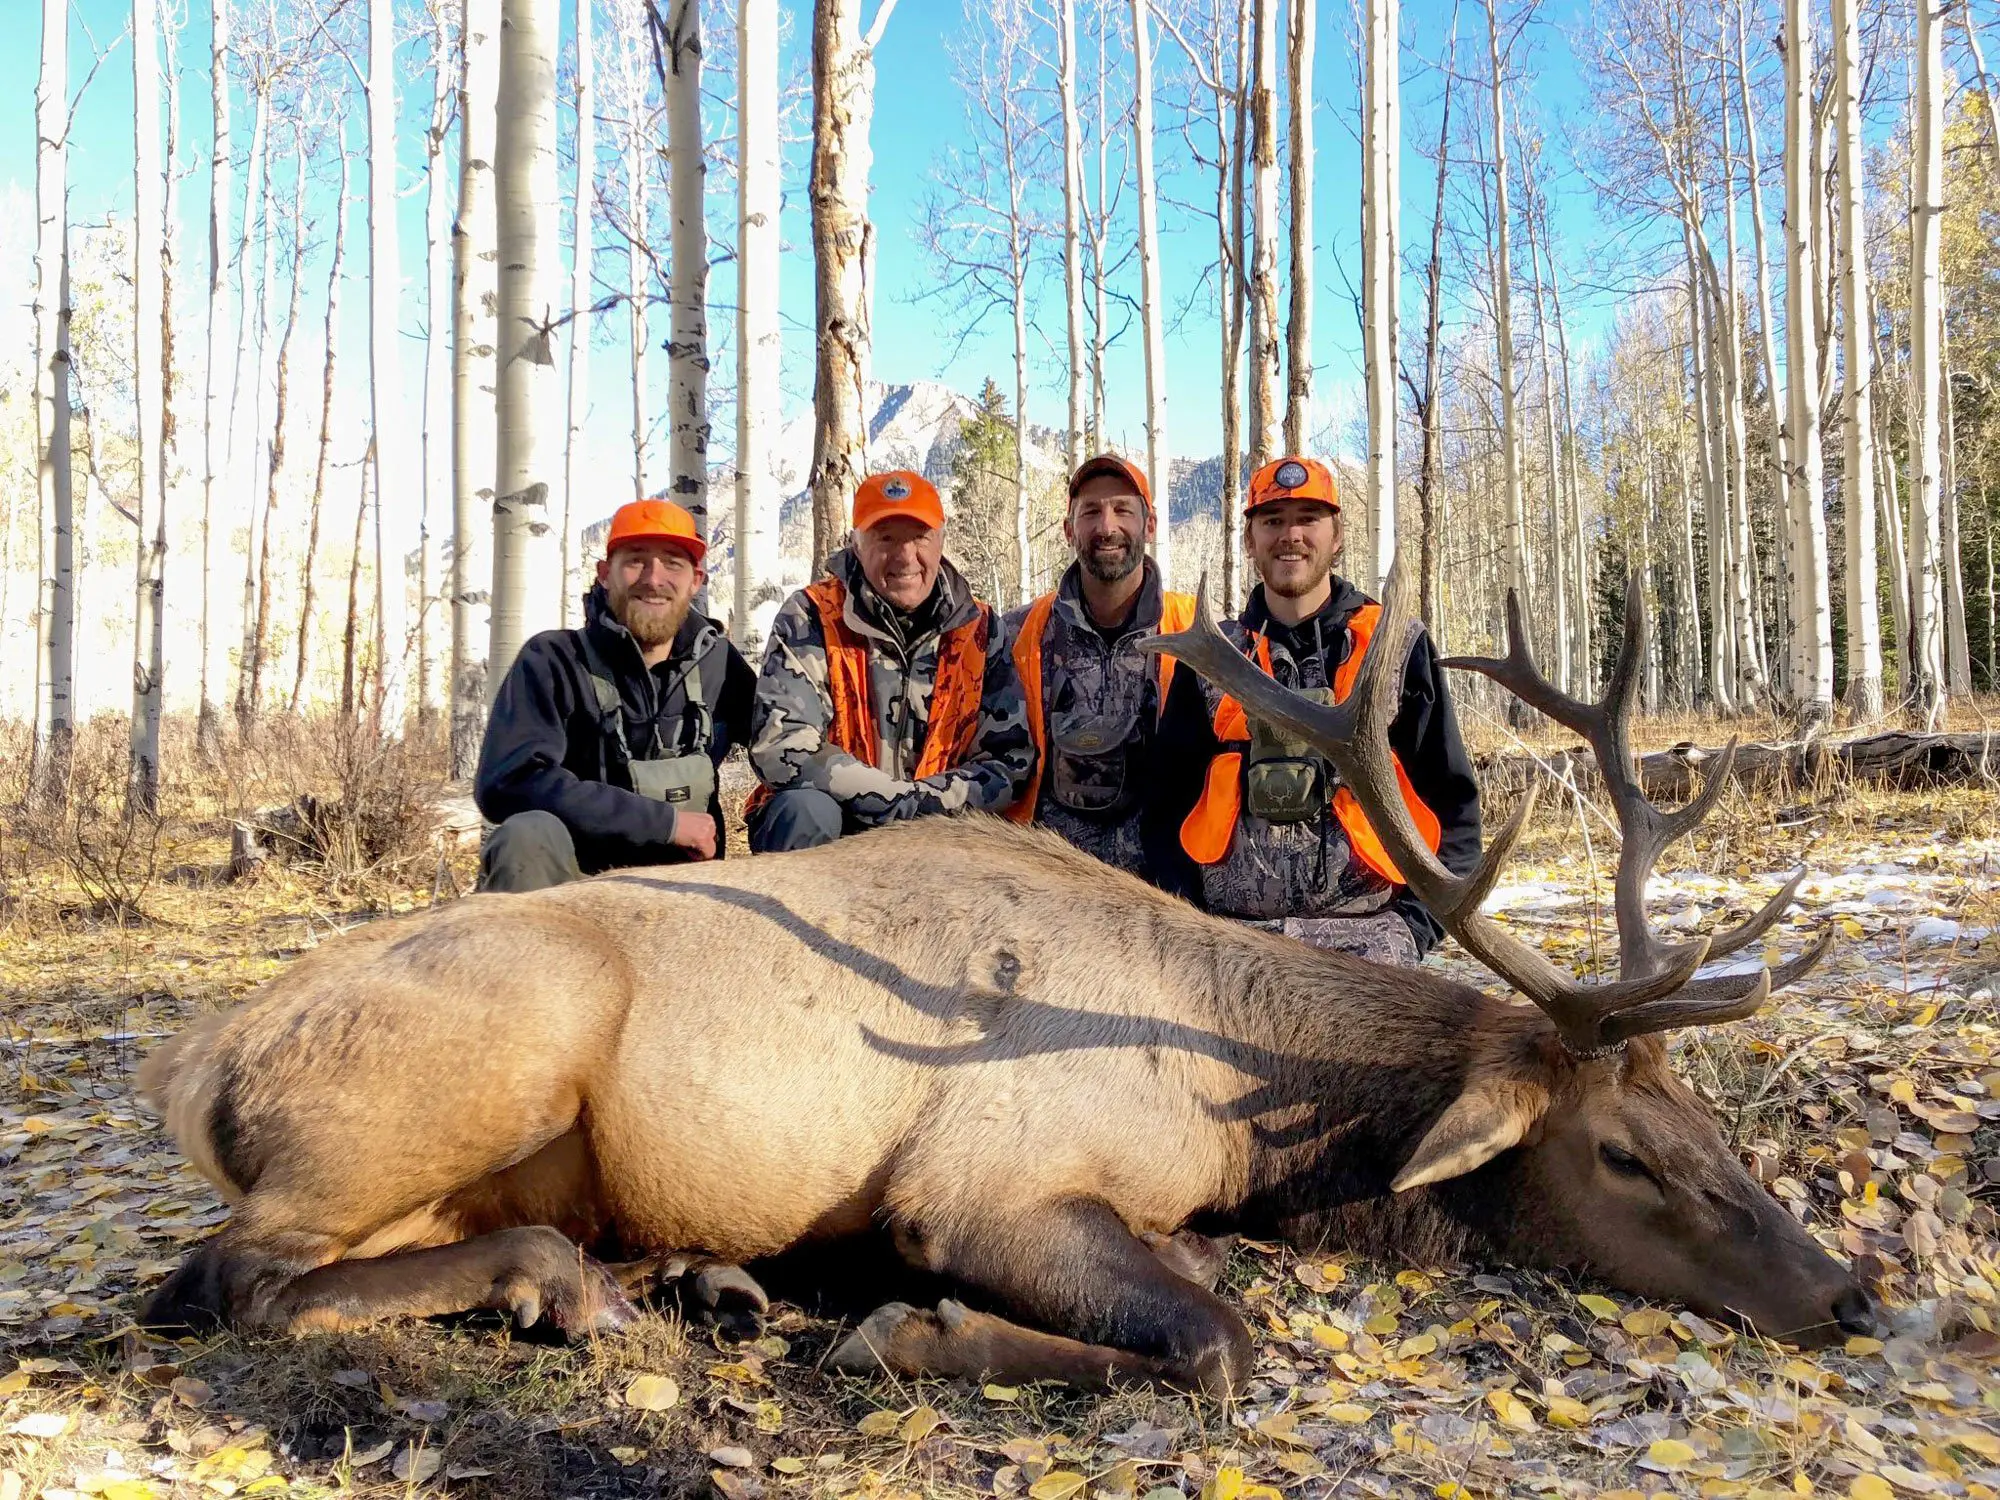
[[581, 199], [1957, 643], [637, 287], [1864, 622], [258, 496], [351, 680], [688, 362], [1429, 500], [1775, 666], [214, 431], [1381, 256], [389, 422], [1299, 49], [1229, 223], [1072, 149], [1924, 654], [437, 367], [843, 65], [1264, 342], [475, 333], [151, 254], [524, 181], [56, 613], [308, 571], [1559, 551], [1510, 432], [758, 340], [1151, 298]]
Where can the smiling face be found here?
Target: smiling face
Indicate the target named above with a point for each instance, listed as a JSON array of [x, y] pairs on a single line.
[[1108, 526], [900, 558], [1294, 544], [650, 585]]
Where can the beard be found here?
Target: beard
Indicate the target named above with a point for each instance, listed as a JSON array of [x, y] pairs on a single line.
[[653, 622], [1302, 575], [1109, 565]]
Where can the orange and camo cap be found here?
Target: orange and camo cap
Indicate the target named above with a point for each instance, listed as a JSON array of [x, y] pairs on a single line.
[[655, 520], [1111, 463], [1292, 478], [899, 492]]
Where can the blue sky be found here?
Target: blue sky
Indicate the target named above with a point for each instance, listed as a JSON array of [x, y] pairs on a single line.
[[918, 113]]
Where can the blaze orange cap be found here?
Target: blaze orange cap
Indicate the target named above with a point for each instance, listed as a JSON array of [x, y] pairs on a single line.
[[1292, 479], [1111, 463], [899, 492], [655, 521]]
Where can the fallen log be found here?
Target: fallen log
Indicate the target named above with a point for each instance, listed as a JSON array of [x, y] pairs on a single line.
[[325, 831], [1898, 758]]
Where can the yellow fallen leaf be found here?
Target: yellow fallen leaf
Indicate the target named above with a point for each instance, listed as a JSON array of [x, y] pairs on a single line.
[[1329, 1337], [1601, 1308], [1903, 1091], [1381, 1325], [1418, 1347], [1057, 1484], [1567, 1411], [652, 1393], [1415, 1281], [921, 1423], [1511, 1410], [1646, 1322], [1349, 1413], [1670, 1453], [1333, 1273], [1870, 1487], [789, 1465], [1451, 1489], [128, 1489], [13, 1383], [879, 1423], [1001, 1392]]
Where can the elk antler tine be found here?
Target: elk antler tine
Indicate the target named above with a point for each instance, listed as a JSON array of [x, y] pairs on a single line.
[[1676, 971], [1793, 969], [1479, 884], [1690, 817], [1748, 931], [1517, 672], [1748, 995]]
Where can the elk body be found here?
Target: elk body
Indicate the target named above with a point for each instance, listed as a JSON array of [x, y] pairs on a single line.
[[1030, 1068]]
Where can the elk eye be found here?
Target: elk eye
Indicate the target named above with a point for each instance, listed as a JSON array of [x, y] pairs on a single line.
[[1620, 1160]]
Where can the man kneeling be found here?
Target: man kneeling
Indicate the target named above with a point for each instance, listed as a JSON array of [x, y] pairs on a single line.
[[602, 747], [886, 692]]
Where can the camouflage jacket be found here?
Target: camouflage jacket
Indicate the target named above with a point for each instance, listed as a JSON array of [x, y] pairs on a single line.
[[1098, 690], [789, 746]]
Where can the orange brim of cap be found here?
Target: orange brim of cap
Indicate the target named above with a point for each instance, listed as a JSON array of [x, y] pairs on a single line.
[[694, 547], [1111, 463]]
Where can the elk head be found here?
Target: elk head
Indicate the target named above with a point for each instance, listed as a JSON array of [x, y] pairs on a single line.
[[1572, 1142]]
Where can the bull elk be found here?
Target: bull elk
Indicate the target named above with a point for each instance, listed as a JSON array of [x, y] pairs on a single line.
[[1033, 1071]]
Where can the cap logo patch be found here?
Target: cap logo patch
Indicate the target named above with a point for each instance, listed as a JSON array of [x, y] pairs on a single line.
[[896, 489], [1291, 474]]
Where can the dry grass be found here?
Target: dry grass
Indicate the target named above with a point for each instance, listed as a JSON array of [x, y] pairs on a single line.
[[94, 1205]]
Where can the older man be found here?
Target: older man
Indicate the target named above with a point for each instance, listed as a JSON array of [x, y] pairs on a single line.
[[1260, 827], [886, 691], [602, 747], [1093, 697]]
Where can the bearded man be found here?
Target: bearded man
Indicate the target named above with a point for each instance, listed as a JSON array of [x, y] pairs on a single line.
[[1094, 698], [602, 748], [1256, 825]]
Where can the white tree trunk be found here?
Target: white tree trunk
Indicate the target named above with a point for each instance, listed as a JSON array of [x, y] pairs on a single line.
[[437, 368], [1957, 643], [758, 340], [843, 69], [1151, 295], [581, 200], [256, 509], [530, 236], [1072, 150], [308, 570], [216, 403], [150, 252], [1812, 616], [1864, 621], [1558, 573], [475, 253], [56, 617], [1381, 259], [1749, 684], [1298, 328], [1924, 653], [688, 362], [389, 421], [1265, 347], [1503, 276], [1776, 665], [637, 287]]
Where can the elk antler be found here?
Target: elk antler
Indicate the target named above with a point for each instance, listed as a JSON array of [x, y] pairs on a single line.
[[1655, 990]]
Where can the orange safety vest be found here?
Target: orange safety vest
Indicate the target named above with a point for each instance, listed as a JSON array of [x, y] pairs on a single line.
[[955, 696], [1211, 827], [1176, 613]]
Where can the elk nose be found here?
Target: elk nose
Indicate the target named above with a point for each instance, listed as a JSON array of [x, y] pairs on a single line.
[[1854, 1310]]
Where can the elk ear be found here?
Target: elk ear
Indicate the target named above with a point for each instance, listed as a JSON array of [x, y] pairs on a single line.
[[1492, 1115]]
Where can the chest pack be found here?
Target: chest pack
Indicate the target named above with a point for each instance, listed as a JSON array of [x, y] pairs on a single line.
[[681, 775], [1283, 781], [1090, 759]]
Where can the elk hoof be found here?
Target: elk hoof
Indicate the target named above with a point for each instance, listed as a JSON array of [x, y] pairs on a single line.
[[718, 1284], [877, 1345]]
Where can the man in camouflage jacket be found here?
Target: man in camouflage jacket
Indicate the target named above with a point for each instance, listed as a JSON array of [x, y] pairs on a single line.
[[887, 691]]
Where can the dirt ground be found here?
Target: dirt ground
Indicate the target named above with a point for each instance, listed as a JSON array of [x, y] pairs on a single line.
[[1869, 1100]]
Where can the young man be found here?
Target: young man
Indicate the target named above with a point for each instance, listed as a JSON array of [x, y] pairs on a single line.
[[1255, 825], [886, 691], [602, 747], [1093, 699]]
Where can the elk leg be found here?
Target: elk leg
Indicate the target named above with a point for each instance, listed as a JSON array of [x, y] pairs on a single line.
[[1121, 1312], [718, 1290], [1195, 1257], [535, 1273]]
